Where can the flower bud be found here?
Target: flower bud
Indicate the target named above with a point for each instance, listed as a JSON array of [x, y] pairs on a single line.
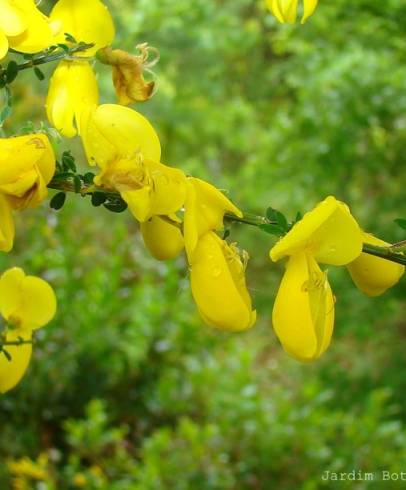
[[373, 275], [163, 239]]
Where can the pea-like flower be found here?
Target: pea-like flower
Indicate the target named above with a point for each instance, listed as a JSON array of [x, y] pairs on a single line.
[[205, 208], [303, 314], [162, 236], [23, 27], [286, 10], [73, 86], [373, 275], [72, 89], [217, 277], [27, 164], [26, 304]]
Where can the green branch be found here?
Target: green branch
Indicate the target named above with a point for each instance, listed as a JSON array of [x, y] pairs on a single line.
[[68, 185]]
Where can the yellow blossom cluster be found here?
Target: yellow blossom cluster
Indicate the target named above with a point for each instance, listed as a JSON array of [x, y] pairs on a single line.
[[177, 213]]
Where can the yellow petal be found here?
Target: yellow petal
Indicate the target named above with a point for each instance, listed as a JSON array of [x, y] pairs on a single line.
[[3, 45], [73, 88], [26, 302], [115, 132], [12, 18], [11, 371], [163, 239], [38, 35], [27, 164], [88, 21], [303, 314], [204, 211], [309, 6], [218, 285], [6, 225], [328, 232], [373, 275]]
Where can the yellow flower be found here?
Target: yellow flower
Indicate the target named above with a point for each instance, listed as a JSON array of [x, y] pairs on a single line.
[[27, 164], [87, 21], [205, 207], [23, 27], [328, 232], [373, 275], [217, 278], [128, 75], [112, 132], [11, 371], [149, 188], [303, 314], [163, 239], [26, 302], [73, 88], [6, 225], [286, 10]]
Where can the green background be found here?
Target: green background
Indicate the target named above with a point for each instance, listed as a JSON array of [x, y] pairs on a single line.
[[128, 389]]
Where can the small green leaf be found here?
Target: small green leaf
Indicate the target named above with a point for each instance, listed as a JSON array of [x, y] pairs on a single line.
[[7, 354], [276, 216], [77, 183], [64, 47], [68, 161], [39, 74], [118, 207], [88, 178], [98, 198], [58, 201], [273, 229], [11, 71], [4, 114], [401, 222], [69, 38]]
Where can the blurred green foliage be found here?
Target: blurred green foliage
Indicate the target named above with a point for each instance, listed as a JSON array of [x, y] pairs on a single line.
[[127, 389]]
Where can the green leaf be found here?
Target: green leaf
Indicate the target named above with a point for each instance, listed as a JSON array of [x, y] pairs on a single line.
[[39, 74], [88, 178], [273, 229], [4, 114], [401, 222], [68, 161], [77, 183], [6, 353], [117, 207], [69, 38], [11, 71], [98, 198], [58, 201], [275, 215]]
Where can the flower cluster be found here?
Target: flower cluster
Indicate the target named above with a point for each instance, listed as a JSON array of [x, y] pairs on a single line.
[[26, 304], [177, 213]]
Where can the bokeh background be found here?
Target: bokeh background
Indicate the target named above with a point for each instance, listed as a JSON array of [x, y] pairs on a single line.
[[128, 389]]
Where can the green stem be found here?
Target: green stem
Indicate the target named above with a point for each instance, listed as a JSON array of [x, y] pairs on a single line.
[[53, 56], [387, 253]]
